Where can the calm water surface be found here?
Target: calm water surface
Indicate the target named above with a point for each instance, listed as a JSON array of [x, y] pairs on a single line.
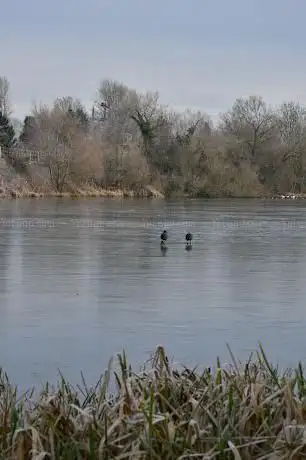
[[80, 280]]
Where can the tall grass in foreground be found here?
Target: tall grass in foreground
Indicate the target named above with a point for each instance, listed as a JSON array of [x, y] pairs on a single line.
[[248, 411]]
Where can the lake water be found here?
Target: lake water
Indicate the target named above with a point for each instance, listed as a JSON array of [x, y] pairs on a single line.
[[81, 280]]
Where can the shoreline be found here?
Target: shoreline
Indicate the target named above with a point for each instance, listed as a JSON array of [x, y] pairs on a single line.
[[26, 193], [146, 193], [236, 411]]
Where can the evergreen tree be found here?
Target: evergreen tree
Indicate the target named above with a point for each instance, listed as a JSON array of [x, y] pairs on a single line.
[[7, 132], [28, 130]]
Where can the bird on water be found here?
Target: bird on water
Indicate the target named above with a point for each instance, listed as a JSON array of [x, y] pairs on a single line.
[[163, 238], [188, 238]]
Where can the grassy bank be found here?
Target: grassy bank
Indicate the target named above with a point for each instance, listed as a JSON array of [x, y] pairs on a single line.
[[26, 191], [249, 411]]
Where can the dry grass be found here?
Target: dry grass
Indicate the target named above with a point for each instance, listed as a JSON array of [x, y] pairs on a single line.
[[26, 190], [249, 411]]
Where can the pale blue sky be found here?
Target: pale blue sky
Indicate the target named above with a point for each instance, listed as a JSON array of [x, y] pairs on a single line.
[[197, 53]]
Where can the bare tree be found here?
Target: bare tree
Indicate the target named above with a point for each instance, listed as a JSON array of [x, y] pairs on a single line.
[[70, 154], [251, 122], [58, 161], [291, 122], [148, 117], [67, 103], [112, 95], [112, 111], [5, 106], [189, 123], [123, 113], [53, 134]]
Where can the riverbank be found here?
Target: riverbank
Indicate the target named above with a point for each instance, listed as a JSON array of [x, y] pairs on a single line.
[[89, 192], [18, 187], [148, 192], [236, 411]]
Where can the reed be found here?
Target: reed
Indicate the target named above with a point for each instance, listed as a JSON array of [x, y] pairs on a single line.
[[239, 411], [27, 191]]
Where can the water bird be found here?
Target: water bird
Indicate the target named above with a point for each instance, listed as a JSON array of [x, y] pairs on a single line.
[[163, 239], [188, 238]]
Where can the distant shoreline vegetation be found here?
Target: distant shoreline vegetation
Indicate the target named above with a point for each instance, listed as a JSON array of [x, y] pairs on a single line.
[[235, 411], [131, 145]]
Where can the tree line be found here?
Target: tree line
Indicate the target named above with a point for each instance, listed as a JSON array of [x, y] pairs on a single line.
[[131, 140]]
